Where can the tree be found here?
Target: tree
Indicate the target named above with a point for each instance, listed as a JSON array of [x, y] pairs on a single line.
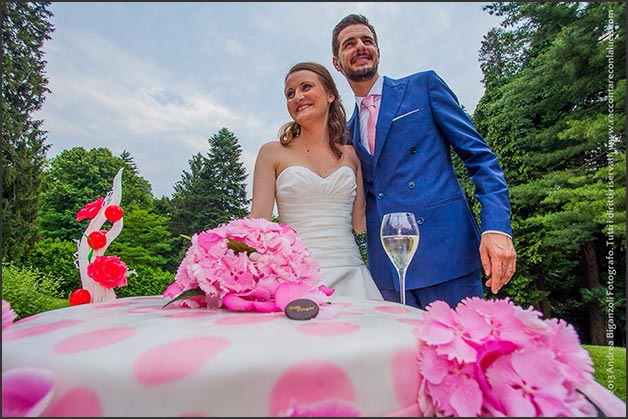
[[213, 191], [25, 28], [144, 240], [546, 116], [76, 177], [229, 190]]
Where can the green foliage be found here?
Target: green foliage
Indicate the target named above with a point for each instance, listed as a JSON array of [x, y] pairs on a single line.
[[144, 240], [546, 115], [25, 27], [76, 177], [147, 281], [610, 368], [55, 258], [213, 192], [522, 290], [360, 240], [28, 291]]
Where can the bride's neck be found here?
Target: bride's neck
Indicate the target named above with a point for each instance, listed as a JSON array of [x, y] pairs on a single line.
[[317, 135]]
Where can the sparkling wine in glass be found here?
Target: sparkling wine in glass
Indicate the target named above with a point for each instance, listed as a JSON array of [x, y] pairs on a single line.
[[400, 237]]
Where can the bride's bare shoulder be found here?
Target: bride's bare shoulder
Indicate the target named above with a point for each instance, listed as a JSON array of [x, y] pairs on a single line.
[[349, 152]]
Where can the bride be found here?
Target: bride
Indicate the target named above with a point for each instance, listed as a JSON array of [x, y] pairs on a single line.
[[316, 181]]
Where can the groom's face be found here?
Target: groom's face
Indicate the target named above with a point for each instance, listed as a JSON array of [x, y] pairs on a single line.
[[358, 54]]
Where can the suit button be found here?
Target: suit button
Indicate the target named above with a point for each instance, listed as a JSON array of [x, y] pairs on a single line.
[[420, 220], [411, 185], [413, 150], [369, 181], [380, 195]]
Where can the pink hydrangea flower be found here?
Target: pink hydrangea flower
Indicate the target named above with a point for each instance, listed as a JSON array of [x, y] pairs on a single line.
[[268, 255], [492, 358]]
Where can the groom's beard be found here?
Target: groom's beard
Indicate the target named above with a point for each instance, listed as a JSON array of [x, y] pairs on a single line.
[[362, 74]]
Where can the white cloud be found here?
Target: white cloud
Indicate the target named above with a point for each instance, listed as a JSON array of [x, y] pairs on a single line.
[[159, 79]]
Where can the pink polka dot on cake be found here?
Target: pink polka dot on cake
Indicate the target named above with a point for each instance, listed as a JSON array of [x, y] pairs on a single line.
[[28, 319], [411, 322], [175, 360], [38, 330], [78, 402], [93, 340], [112, 305], [391, 309], [186, 314], [350, 313], [236, 320], [141, 310], [405, 369], [310, 382], [328, 328]]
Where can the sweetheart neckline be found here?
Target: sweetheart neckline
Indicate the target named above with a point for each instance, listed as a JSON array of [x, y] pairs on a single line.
[[313, 172]]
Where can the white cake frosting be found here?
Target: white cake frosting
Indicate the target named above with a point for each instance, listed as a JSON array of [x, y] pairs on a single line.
[[131, 357]]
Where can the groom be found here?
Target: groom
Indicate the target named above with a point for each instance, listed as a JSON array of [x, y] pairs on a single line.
[[403, 131]]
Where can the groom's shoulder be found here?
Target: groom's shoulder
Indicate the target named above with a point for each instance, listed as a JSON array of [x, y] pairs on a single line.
[[416, 77]]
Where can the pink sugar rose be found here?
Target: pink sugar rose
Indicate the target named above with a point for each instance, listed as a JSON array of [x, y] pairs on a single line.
[[90, 210], [241, 264], [492, 358], [108, 271], [8, 315]]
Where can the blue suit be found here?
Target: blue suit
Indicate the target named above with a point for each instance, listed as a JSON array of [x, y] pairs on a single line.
[[419, 122]]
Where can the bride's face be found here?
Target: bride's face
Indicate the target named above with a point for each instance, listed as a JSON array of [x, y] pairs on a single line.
[[306, 98]]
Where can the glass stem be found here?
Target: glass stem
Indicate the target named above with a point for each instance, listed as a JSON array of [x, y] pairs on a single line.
[[402, 285]]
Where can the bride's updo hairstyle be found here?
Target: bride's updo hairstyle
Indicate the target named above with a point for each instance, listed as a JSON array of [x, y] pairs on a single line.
[[337, 117]]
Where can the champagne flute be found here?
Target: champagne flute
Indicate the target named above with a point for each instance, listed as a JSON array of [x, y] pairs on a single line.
[[399, 233]]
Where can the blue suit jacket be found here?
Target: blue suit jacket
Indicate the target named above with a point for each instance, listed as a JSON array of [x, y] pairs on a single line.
[[419, 122]]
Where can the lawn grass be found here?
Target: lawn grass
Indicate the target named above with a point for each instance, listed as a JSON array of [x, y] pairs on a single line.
[[610, 367]]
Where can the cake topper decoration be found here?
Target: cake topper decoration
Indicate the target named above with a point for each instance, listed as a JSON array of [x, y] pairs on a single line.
[[99, 273]]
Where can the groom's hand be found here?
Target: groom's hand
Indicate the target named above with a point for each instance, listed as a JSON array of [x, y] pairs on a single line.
[[499, 259]]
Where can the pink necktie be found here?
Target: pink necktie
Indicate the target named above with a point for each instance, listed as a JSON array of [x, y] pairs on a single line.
[[369, 103]]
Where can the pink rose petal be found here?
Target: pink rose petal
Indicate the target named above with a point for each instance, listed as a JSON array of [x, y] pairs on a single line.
[[26, 391]]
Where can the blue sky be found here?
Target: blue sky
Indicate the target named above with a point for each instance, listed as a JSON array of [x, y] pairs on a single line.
[[159, 79]]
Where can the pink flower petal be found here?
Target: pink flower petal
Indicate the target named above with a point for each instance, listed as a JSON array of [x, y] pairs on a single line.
[[289, 291], [236, 303], [266, 306], [26, 391], [325, 290], [466, 400]]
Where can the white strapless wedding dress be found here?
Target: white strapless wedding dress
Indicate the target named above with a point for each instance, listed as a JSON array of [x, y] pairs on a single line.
[[319, 209]]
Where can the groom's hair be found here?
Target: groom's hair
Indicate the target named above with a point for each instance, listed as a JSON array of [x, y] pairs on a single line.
[[352, 19]]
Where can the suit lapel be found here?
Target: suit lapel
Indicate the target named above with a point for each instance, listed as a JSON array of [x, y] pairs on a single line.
[[392, 94]]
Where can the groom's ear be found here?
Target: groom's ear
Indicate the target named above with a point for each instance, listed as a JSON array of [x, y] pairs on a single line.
[[337, 66]]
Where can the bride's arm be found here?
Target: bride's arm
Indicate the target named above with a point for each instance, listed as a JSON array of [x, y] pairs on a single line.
[[264, 183]]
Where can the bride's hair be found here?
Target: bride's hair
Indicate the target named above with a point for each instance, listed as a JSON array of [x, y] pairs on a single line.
[[337, 118]]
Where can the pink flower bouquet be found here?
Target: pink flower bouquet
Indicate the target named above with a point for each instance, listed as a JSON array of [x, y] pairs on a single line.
[[247, 264], [492, 358]]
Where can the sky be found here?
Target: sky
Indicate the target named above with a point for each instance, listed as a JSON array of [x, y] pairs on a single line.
[[159, 79]]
